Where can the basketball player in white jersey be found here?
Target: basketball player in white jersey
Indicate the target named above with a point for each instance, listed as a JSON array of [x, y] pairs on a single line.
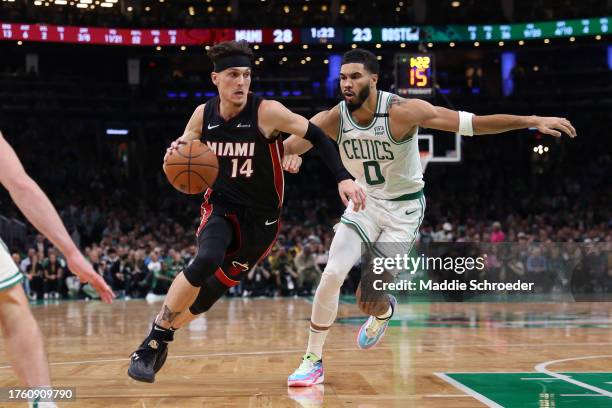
[[22, 337], [376, 134]]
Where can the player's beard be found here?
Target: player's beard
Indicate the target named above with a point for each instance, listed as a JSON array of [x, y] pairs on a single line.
[[359, 99]]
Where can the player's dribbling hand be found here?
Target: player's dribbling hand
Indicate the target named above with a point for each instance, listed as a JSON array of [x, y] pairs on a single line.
[[83, 269], [554, 126], [173, 146], [350, 191], [292, 163]]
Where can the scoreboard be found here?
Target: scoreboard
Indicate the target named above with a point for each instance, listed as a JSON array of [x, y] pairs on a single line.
[[306, 35], [414, 75]]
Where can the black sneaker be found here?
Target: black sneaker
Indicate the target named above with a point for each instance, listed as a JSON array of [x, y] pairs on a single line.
[[147, 360]]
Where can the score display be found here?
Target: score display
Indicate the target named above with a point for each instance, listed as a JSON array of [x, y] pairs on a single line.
[[414, 75], [307, 35], [525, 31]]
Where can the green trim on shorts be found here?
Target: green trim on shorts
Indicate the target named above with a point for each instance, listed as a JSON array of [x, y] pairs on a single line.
[[11, 281], [408, 197], [362, 234], [416, 232]]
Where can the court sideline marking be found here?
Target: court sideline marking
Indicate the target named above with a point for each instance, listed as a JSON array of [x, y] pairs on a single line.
[[541, 368]]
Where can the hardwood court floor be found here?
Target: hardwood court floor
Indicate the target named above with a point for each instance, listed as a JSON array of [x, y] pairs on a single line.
[[240, 354]]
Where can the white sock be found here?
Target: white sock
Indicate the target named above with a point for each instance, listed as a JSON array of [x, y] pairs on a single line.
[[386, 315], [316, 339]]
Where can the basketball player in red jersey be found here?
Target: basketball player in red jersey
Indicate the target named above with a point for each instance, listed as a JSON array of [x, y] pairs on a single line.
[[22, 338], [241, 213]]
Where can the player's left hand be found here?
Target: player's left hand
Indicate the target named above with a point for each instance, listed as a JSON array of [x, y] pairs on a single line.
[[554, 126], [292, 163], [83, 269], [350, 191]]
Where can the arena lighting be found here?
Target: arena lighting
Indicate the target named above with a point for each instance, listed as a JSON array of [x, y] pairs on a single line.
[[546, 41], [430, 45], [456, 4], [305, 46], [130, 8], [281, 46], [38, 3], [183, 48], [378, 45], [19, 42], [501, 43], [61, 2], [106, 5], [476, 44], [81, 5], [117, 132], [256, 47], [572, 39], [521, 42], [452, 44], [329, 46], [540, 149]]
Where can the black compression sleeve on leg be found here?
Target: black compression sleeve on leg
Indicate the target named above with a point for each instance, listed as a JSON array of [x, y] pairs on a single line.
[[327, 150], [213, 243], [211, 291]]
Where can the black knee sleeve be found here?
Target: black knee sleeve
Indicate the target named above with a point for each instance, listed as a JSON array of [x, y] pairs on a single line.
[[213, 241], [211, 291]]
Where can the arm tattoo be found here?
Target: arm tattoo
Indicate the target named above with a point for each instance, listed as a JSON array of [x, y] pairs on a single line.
[[396, 100], [168, 315]]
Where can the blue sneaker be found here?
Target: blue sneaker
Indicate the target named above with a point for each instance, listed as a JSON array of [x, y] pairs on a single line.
[[374, 329], [310, 372]]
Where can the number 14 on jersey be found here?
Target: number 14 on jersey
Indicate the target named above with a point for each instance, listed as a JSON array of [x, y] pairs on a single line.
[[246, 169]]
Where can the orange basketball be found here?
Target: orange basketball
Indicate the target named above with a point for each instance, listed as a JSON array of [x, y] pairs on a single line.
[[192, 168]]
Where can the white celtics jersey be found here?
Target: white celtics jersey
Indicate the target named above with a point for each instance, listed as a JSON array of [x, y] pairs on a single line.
[[386, 169]]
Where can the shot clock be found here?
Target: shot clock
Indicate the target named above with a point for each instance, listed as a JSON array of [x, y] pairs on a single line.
[[414, 75]]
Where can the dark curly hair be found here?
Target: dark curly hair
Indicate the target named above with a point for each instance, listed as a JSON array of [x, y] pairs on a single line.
[[229, 48]]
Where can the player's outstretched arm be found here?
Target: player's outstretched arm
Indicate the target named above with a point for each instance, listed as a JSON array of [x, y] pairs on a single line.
[[274, 116], [193, 130], [422, 113], [294, 146], [327, 120], [37, 208]]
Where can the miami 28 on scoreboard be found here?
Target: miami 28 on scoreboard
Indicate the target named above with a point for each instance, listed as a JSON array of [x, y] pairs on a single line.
[[414, 75]]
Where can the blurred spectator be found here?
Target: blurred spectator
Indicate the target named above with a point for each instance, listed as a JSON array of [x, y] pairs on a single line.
[[308, 272]]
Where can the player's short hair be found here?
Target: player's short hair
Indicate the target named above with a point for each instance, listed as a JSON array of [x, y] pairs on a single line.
[[230, 49], [361, 56]]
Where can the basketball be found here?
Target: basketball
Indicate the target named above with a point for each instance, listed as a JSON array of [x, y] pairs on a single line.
[[192, 168]]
